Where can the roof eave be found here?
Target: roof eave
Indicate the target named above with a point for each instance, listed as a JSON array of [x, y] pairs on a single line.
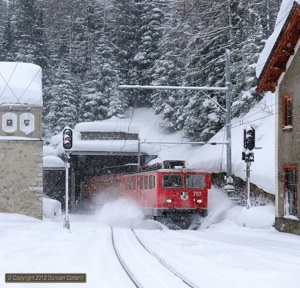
[[264, 85]]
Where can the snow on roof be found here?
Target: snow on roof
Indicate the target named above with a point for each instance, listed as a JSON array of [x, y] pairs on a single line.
[[52, 161], [17, 138], [282, 16], [113, 124], [48, 150], [20, 83], [142, 121]]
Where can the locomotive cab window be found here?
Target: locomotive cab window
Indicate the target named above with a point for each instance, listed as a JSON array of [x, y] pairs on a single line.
[[172, 181], [195, 181]]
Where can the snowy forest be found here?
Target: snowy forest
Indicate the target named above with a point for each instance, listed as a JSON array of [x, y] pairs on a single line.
[[87, 48]]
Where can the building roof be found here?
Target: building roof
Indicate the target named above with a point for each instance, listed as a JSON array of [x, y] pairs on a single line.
[[279, 47], [20, 83]]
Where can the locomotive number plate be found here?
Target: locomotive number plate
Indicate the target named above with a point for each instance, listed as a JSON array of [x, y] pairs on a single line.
[[197, 194]]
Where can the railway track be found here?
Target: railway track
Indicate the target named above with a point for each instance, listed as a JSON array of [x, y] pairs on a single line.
[[143, 266]]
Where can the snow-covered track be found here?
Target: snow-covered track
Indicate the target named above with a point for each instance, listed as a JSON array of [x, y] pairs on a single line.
[[123, 264], [143, 268], [165, 264]]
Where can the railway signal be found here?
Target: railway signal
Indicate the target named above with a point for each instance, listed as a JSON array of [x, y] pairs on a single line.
[[67, 144], [67, 138], [249, 138], [248, 156]]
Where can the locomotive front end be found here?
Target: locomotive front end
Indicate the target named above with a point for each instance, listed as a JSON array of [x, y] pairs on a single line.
[[183, 192]]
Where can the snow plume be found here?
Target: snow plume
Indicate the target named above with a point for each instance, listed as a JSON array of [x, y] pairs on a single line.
[[218, 205], [121, 212], [106, 196]]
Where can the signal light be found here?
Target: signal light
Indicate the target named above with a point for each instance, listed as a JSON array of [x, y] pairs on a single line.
[[249, 138], [67, 138], [249, 157]]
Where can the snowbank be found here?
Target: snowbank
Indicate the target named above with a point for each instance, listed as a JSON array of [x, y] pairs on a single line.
[[51, 208], [258, 217], [221, 209]]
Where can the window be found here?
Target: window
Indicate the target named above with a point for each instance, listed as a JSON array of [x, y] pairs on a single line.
[[146, 182], [9, 122], [195, 181], [172, 180], [287, 112], [150, 182], [127, 184], [130, 183], [134, 183], [290, 189], [141, 182]]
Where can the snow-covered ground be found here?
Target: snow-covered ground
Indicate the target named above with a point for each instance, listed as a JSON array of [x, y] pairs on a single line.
[[235, 247]]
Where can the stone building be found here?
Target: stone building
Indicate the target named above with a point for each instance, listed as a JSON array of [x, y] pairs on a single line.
[[21, 145], [278, 70]]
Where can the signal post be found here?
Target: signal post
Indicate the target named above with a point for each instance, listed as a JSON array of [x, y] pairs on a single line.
[[67, 145], [248, 157]]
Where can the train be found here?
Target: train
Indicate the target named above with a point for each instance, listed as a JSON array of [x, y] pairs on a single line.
[[166, 190]]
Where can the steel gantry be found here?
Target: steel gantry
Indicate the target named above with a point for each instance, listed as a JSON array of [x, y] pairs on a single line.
[[228, 92]]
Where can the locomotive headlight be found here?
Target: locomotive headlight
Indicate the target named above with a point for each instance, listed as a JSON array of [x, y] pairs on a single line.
[[199, 201], [168, 200]]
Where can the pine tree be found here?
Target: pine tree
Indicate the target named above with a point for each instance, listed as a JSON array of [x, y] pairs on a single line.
[[267, 10], [95, 45], [3, 19], [41, 56], [64, 94], [148, 34], [248, 36], [8, 49], [101, 97], [123, 36], [26, 26], [169, 69]]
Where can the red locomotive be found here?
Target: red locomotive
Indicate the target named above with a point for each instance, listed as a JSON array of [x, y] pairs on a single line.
[[166, 190]]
